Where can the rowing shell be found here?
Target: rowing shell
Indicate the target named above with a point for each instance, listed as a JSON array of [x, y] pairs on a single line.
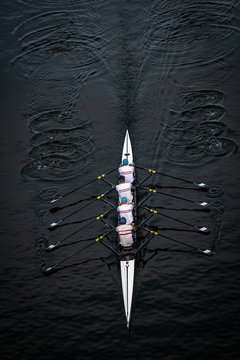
[[127, 263]]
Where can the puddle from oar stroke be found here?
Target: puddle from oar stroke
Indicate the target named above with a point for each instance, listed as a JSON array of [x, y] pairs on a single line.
[[192, 136], [47, 195], [58, 153], [61, 47], [215, 191]]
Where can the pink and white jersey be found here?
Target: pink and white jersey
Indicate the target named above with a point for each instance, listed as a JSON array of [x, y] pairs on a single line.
[[127, 171], [125, 210], [125, 190], [125, 234]]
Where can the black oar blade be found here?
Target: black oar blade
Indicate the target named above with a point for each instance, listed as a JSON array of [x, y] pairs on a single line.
[[54, 210]]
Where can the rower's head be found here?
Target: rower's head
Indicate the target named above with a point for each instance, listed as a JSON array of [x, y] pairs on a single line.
[[123, 220], [124, 200], [125, 161], [122, 179]]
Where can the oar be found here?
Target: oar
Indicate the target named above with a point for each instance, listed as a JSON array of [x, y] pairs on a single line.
[[51, 268], [201, 251], [79, 187], [57, 208], [99, 217], [198, 227], [200, 184], [57, 222], [200, 203]]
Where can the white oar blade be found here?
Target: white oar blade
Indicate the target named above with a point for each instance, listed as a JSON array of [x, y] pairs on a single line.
[[201, 184], [52, 225], [207, 252], [52, 246], [54, 200], [50, 268], [202, 203], [202, 228]]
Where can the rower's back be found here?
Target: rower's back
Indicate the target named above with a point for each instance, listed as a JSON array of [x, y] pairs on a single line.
[[128, 172], [124, 189]]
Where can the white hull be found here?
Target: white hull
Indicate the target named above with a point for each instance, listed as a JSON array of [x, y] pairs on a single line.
[[127, 149], [127, 266], [127, 276]]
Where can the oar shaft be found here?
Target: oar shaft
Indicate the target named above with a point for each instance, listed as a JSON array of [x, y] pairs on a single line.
[[200, 203], [143, 244], [167, 216], [167, 237], [73, 254], [50, 268], [82, 207], [109, 247], [200, 184], [81, 186], [166, 194], [51, 226], [98, 217], [201, 251]]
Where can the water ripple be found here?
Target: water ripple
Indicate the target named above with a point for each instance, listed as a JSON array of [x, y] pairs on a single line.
[[178, 32], [61, 48], [47, 195], [193, 134]]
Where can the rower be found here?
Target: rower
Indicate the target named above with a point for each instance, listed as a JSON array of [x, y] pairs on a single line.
[[126, 210], [125, 233], [127, 170], [124, 189]]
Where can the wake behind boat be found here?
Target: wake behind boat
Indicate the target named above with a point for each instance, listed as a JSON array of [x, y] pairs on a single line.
[[127, 255]]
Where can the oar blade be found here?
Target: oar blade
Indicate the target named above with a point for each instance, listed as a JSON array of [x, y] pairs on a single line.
[[50, 269], [54, 224], [54, 200], [202, 203], [200, 184], [202, 228], [52, 246], [206, 252], [54, 210]]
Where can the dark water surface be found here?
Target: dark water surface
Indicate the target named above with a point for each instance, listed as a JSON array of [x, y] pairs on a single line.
[[74, 75]]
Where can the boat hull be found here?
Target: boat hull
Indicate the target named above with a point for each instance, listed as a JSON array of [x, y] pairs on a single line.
[[127, 149], [127, 268], [127, 263]]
